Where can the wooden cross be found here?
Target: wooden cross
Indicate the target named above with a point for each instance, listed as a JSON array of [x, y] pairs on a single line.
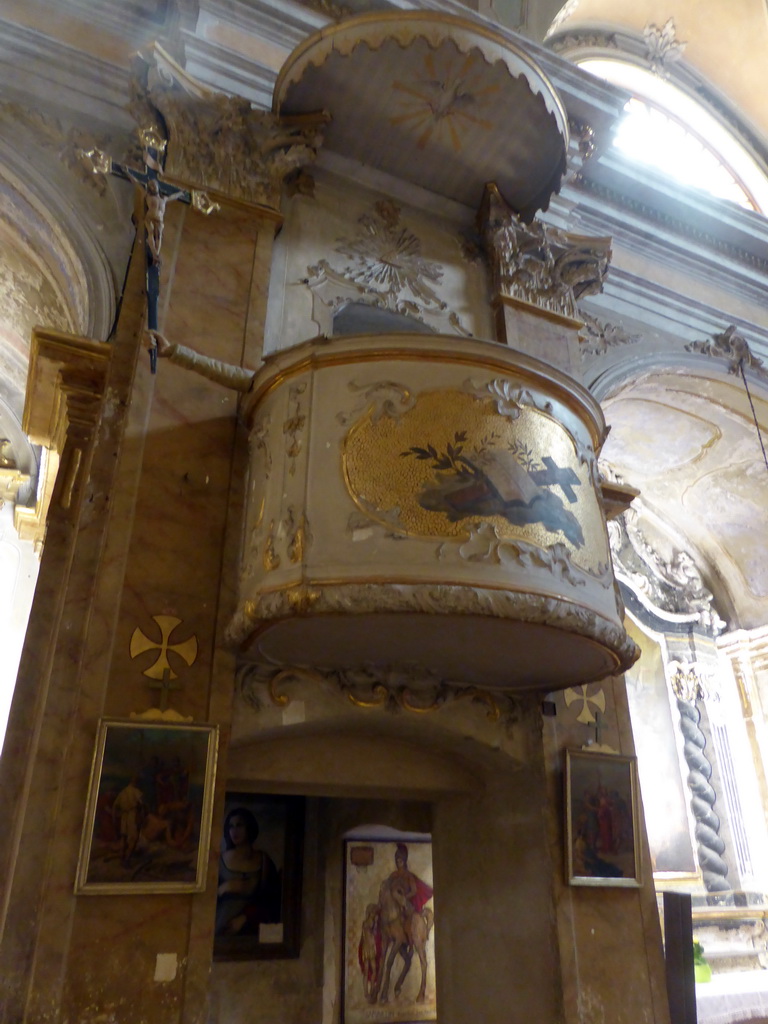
[[157, 194], [598, 728], [165, 686]]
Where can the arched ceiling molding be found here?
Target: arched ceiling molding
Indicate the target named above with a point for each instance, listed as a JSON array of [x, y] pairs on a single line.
[[611, 381], [683, 433], [602, 40], [53, 224]]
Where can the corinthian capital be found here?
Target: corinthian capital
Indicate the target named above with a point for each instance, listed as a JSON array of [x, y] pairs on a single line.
[[534, 263], [222, 144]]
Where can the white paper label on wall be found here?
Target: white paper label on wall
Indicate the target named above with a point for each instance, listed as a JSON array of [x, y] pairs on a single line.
[[166, 966], [294, 714], [270, 933]]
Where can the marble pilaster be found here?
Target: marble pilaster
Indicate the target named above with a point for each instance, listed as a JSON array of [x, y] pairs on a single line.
[[144, 521], [612, 965]]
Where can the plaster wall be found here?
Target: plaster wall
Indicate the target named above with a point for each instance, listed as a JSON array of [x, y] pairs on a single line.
[[496, 946]]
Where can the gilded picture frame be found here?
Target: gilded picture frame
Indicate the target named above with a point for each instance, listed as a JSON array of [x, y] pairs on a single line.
[[258, 905], [601, 830], [388, 971], [147, 823]]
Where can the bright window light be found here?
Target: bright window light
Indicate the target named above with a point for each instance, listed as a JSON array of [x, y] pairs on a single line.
[[666, 129]]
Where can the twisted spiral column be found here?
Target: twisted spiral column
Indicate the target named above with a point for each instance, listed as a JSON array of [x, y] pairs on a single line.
[[710, 846]]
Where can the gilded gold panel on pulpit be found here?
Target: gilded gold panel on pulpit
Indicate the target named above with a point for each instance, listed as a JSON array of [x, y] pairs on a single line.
[[453, 461]]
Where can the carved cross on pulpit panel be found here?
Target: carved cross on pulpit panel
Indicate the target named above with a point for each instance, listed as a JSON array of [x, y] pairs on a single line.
[[157, 195]]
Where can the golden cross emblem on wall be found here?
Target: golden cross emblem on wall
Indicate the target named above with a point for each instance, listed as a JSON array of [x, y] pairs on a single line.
[[585, 714], [186, 649]]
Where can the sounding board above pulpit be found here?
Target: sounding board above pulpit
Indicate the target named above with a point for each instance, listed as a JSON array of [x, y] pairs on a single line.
[[421, 501]]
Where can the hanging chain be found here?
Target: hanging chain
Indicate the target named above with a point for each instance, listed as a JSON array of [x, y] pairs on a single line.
[[754, 414]]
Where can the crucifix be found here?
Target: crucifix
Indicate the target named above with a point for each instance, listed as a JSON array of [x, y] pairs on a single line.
[[157, 194]]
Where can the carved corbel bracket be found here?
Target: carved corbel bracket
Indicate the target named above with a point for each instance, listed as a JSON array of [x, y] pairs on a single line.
[[221, 144], [537, 264], [65, 389]]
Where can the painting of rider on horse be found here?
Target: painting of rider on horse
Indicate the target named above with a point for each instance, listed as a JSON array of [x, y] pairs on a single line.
[[389, 922]]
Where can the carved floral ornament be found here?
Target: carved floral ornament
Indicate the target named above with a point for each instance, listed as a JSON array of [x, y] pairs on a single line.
[[662, 46], [672, 587], [538, 264], [689, 682], [732, 346], [598, 336], [222, 143], [385, 268], [413, 690]]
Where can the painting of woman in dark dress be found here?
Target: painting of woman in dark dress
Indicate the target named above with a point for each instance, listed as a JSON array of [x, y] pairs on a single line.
[[249, 883], [258, 895]]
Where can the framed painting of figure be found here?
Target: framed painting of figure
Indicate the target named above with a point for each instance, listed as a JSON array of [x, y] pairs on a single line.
[[602, 845], [258, 906], [148, 812], [389, 932]]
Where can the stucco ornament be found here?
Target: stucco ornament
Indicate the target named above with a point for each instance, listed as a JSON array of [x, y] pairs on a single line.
[[508, 397], [673, 587], [412, 689], [385, 268], [222, 143], [485, 545], [662, 46], [382, 398], [732, 346], [538, 264], [598, 336]]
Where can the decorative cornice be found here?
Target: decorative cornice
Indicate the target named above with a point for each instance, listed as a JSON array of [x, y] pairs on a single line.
[[620, 199], [228, 71], [67, 377], [566, 41], [73, 73]]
